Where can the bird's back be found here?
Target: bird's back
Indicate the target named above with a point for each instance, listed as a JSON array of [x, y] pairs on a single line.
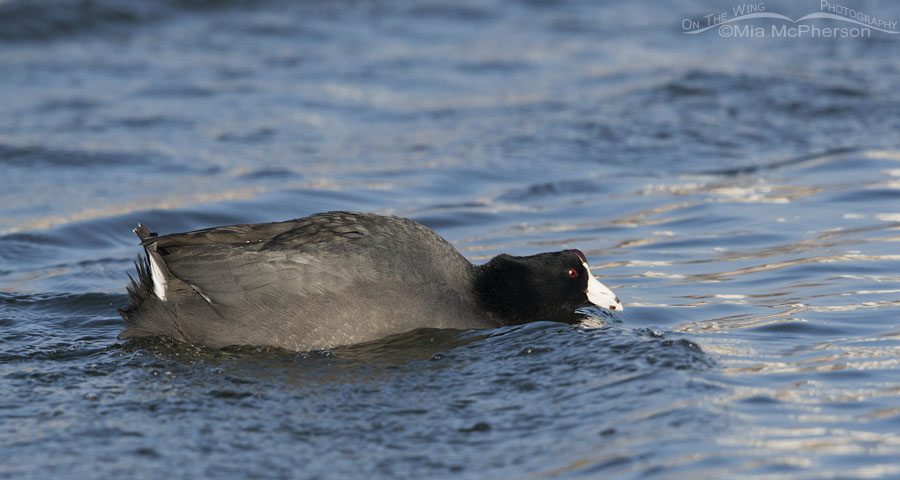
[[330, 279]]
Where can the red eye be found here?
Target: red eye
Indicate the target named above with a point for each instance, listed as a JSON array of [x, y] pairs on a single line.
[[573, 273]]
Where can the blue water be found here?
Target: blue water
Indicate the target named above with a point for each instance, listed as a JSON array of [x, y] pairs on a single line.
[[740, 195]]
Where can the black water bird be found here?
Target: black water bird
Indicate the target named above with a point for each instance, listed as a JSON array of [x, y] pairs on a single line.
[[340, 278]]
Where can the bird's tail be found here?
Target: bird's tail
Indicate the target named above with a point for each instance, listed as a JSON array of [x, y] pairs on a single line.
[[141, 288]]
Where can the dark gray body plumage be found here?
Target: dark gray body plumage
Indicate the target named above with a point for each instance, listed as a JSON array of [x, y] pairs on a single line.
[[331, 279]]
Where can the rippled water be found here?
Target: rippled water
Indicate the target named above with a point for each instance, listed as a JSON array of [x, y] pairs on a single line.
[[741, 196]]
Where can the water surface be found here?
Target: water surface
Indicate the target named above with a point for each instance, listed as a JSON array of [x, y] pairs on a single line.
[[741, 196]]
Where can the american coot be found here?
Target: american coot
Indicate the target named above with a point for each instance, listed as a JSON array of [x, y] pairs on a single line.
[[340, 278]]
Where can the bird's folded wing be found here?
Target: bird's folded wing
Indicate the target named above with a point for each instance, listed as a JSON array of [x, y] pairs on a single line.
[[231, 276]]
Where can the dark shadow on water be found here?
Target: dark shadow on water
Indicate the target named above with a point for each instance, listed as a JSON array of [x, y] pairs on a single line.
[[826, 155], [610, 347]]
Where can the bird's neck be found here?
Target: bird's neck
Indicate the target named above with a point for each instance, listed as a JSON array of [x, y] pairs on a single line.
[[501, 288]]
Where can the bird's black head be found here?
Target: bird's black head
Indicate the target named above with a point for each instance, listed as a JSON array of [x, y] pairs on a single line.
[[546, 286]]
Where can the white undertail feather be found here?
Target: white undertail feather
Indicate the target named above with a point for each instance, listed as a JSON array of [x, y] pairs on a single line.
[[202, 294], [159, 281]]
